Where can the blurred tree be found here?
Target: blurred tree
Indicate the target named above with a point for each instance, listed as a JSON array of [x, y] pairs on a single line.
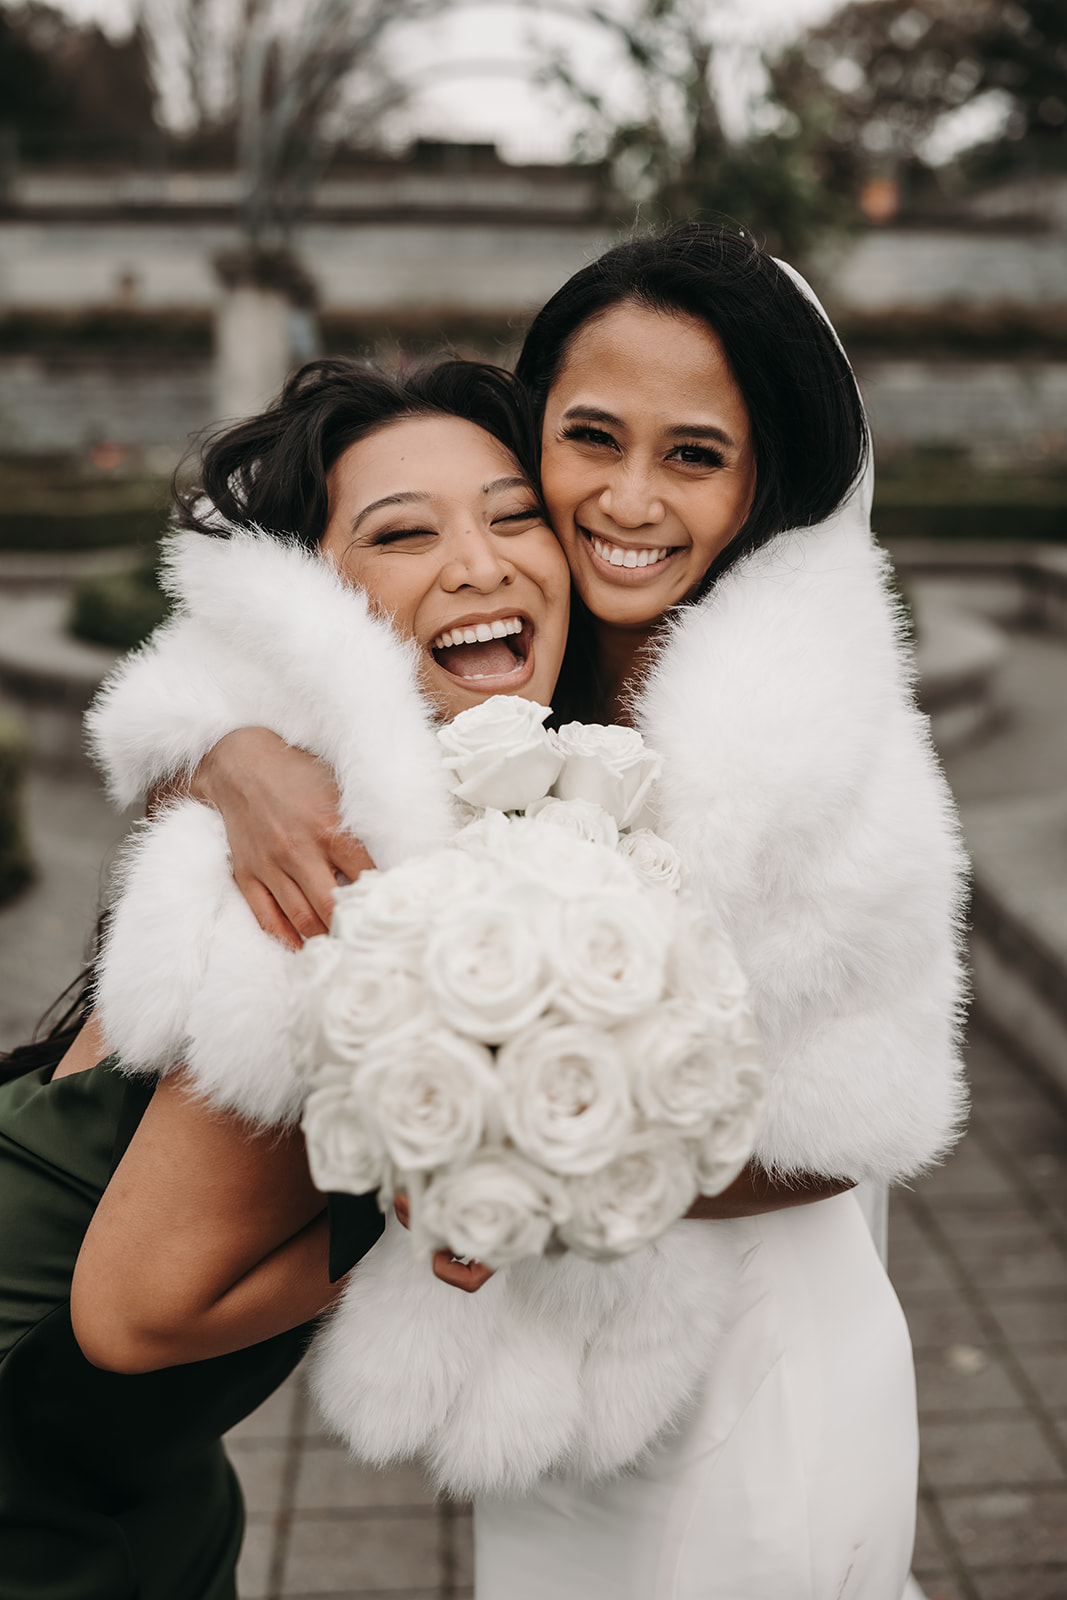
[[905, 84], [69, 90], [673, 158]]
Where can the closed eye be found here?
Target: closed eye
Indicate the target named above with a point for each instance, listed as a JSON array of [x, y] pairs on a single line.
[[396, 535], [516, 521]]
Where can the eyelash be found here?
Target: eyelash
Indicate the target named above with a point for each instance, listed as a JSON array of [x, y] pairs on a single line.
[[708, 455], [394, 535]]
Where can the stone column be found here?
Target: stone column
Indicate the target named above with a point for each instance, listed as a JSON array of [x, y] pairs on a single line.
[[253, 349], [267, 298]]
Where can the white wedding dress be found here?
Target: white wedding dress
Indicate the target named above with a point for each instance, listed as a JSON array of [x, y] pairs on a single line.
[[795, 1480]]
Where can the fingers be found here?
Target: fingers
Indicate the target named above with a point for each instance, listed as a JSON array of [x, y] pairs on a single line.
[[349, 855], [267, 913], [467, 1276], [300, 911], [402, 1209]]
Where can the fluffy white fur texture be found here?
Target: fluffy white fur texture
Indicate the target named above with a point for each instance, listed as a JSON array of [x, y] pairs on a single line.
[[803, 793], [266, 633], [556, 1366]]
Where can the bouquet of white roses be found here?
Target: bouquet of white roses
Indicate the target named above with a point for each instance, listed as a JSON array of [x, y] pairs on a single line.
[[533, 1032]]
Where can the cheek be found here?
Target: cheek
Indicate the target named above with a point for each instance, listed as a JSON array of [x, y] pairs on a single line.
[[392, 594], [562, 483]]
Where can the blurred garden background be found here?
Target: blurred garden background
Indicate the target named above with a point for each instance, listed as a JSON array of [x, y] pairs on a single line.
[[197, 195]]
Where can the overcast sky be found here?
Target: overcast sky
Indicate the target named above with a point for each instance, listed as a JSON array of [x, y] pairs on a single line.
[[470, 66]]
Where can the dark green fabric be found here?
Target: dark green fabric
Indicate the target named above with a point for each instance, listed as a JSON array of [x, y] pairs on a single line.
[[112, 1487], [356, 1225]]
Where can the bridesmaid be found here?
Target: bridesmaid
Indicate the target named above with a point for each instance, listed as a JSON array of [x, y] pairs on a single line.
[[162, 1267]]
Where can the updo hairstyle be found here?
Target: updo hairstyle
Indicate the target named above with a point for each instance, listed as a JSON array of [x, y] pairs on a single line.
[[271, 470]]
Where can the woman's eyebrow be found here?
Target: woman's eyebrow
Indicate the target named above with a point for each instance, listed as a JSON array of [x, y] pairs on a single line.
[[592, 414], [700, 430], [408, 498], [498, 485]]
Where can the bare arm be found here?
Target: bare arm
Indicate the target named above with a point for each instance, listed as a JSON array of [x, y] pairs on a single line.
[[753, 1192], [280, 808], [208, 1239]]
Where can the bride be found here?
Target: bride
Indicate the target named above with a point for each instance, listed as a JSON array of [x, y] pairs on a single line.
[[704, 459]]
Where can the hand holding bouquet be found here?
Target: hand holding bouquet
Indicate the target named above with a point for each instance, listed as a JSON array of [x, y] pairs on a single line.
[[534, 1032]]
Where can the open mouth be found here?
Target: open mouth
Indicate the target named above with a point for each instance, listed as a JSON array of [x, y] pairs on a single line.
[[479, 650], [629, 558]]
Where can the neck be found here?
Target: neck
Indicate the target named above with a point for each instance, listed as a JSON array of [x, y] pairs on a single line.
[[621, 656]]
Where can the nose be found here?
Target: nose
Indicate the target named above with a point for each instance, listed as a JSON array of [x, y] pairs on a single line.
[[476, 562], [629, 497]]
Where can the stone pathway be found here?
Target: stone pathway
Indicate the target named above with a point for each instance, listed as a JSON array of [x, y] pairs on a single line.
[[319, 1526], [978, 1254]]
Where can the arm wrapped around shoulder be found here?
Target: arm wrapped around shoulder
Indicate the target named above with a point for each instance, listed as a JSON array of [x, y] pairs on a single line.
[[802, 791]]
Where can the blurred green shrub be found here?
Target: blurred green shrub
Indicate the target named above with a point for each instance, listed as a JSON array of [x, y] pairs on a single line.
[[119, 609], [16, 863], [77, 530]]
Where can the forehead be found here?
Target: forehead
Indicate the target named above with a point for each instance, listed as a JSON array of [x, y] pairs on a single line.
[[427, 454], [659, 361]]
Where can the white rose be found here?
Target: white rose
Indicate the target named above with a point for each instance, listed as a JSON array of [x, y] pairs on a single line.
[[553, 860], [632, 1200], [656, 862], [500, 754], [486, 965], [611, 957], [722, 1152], [682, 1072], [431, 1095], [564, 1095], [704, 968], [488, 834], [381, 910], [580, 818], [496, 1209], [388, 913], [609, 765], [367, 996], [344, 1150]]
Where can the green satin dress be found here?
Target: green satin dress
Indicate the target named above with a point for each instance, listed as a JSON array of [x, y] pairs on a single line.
[[112, 1487]]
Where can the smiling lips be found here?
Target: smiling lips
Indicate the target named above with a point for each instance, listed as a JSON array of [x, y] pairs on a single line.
[[484, 649], [617, 555]]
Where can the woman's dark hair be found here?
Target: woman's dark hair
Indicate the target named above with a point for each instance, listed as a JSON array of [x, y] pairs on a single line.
[[272, 469], [809, 431]]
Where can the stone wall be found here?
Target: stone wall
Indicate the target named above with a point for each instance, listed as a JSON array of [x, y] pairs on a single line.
[[64, 405]]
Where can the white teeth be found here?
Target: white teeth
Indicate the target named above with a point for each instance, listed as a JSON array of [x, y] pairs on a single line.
[[480, 633], [617, 556]]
